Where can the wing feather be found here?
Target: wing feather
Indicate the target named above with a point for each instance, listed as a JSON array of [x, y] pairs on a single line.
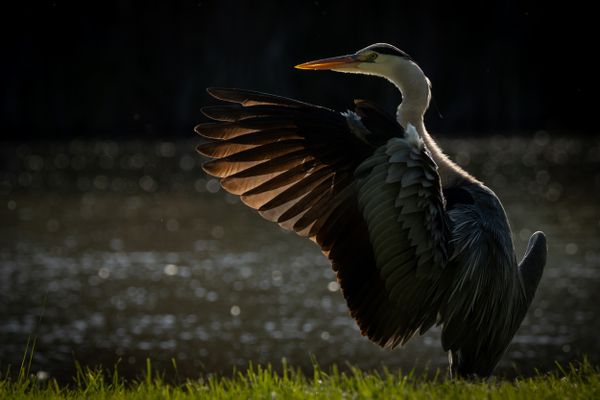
[[365, 198], [400, 232], [477, 311]]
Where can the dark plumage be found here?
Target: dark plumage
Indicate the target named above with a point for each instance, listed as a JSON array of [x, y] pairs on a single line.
[[414, 240]]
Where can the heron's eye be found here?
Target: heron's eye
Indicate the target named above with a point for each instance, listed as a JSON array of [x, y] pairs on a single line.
[[368, 56]]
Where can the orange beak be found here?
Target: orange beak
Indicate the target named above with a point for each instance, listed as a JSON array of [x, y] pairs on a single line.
[[330, 63]]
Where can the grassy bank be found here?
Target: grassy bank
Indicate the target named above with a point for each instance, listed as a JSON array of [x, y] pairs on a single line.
[[581, 381]]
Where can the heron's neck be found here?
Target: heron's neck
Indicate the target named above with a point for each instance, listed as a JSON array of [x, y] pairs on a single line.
[[416, 93], [450, 173]]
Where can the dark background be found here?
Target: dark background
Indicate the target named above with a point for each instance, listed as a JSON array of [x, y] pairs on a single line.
[[133, 68]]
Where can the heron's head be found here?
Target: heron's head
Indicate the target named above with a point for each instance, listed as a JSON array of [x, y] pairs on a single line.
[[384, 60], [376, 59]]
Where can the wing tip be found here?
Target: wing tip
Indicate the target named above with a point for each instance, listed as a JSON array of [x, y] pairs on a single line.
[[198, 128], [539, 235], [204, 128], [207, 111], [211, 168], [204, 149], [537, 242], [223, 94]]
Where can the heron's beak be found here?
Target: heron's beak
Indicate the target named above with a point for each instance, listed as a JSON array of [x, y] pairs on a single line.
[[330, 63]]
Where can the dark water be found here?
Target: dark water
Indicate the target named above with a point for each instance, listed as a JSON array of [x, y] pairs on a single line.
[[121, 251]]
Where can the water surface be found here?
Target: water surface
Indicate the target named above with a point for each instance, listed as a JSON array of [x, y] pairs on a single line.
[[112, 252]]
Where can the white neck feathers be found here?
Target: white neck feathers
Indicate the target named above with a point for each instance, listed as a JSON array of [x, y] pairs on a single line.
[[416, 94]]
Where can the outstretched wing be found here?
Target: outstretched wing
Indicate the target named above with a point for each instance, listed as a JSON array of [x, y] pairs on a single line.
[[350, 182]]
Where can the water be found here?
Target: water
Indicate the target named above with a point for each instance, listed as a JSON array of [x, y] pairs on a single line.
[[112, 252]]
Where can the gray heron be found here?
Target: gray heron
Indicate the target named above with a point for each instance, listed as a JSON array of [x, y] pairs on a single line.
[[414, 239]]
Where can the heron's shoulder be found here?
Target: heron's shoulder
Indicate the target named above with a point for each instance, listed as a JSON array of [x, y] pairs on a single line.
[[475, 198], [370, 124], [478, 223], [489, 208]]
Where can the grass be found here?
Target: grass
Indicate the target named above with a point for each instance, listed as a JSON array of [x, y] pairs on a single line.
[[577, 381]]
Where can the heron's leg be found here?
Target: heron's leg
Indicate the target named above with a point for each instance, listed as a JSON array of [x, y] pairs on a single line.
[[452, 364]]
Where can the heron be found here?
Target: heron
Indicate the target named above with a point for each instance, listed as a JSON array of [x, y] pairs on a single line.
[[414, 239]]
